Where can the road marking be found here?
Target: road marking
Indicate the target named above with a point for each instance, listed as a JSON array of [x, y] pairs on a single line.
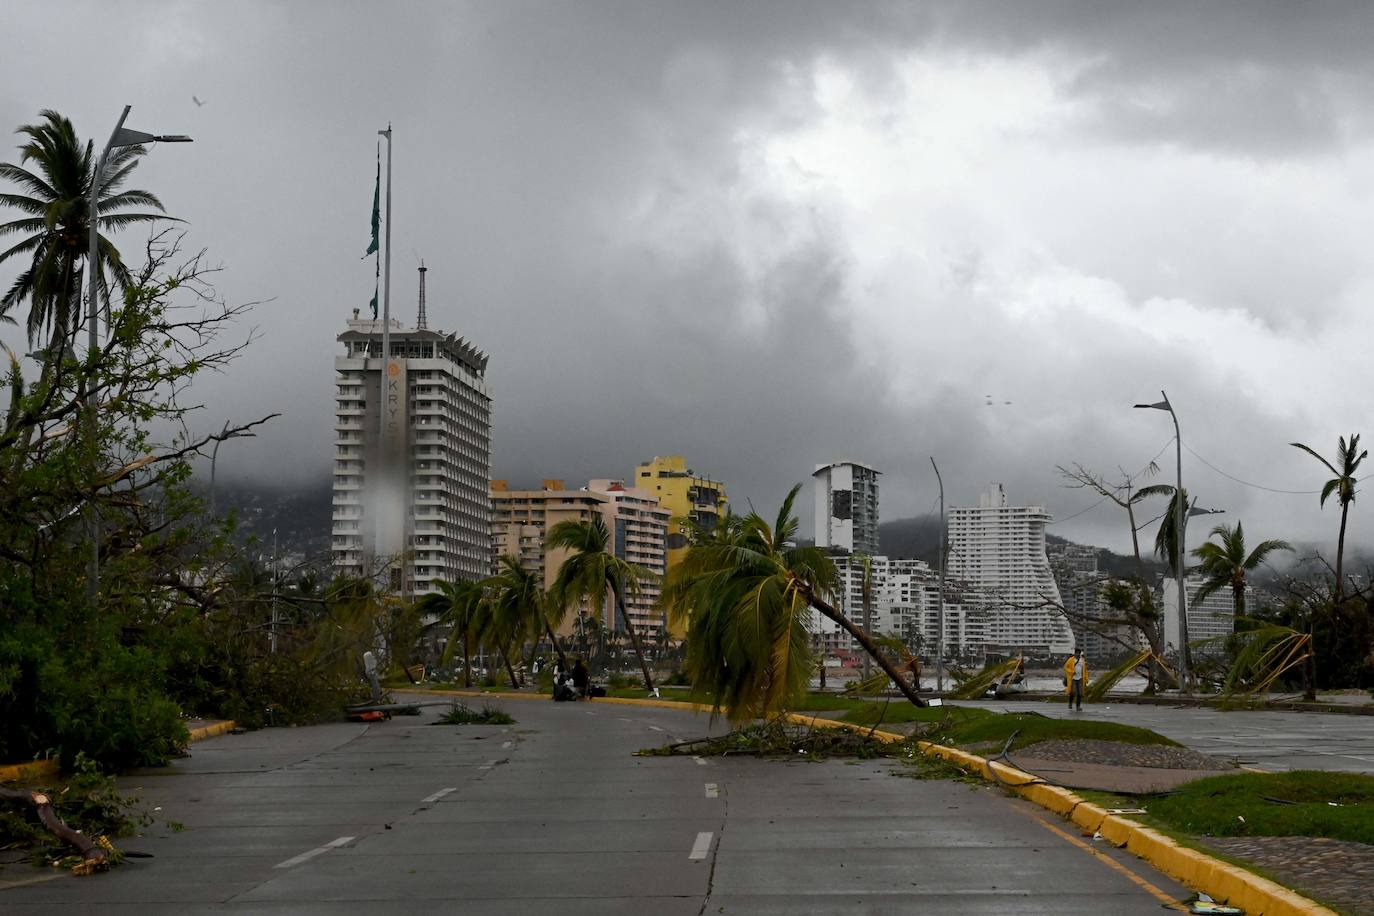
[[701, 847], [488, 765], [507, 745], [1156, 892], [700, 761], [712, 790], [623, 718], [437, 795], [317, 851], [655, 728]]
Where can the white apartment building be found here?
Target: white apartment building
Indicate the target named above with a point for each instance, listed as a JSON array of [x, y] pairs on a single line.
[[1213, 618], [411, 460], [639, 529], [904, 602], [847, 507], [998, 551]]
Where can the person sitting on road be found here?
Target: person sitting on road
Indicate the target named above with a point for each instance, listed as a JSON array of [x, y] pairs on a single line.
[[580, 678]]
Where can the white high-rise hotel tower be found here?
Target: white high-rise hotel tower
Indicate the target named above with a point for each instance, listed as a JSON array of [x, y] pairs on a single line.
[[847, 507], [998, 551], [411, 476]]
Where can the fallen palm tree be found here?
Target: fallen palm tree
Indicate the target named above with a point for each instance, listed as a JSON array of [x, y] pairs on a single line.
[[1097, 689], [975, 685], [1267, 653]]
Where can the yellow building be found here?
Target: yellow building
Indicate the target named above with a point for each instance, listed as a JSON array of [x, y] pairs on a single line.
[[686, 496]]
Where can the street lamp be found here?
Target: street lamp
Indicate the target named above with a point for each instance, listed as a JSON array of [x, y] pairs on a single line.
[[1178, 546], [122, 136]]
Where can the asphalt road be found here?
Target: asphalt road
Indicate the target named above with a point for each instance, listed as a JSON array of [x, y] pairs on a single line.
[[554, 815], [1275, 741]]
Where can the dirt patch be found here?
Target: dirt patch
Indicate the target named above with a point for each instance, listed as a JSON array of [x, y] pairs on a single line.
[[1334, 871], [1116, 753]]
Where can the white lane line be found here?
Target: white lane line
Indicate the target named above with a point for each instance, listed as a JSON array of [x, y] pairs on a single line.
[[507, 745], [437, 795], [623, 718], [655, 728], [317, 851], [488, 765], [701, 847], [712, 790], [700, 761]]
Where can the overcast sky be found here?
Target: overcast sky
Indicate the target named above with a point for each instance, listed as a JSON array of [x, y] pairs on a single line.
[[768, 235]]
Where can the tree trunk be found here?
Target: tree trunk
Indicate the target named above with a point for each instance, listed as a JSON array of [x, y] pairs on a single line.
[[1340, 554], [557, 647], [467, 659], [94, 857], [868, 645], [634, 637], [505, 657]]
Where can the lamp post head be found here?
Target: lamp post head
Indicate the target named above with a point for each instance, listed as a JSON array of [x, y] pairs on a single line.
[[127, 137], [1158, 405]]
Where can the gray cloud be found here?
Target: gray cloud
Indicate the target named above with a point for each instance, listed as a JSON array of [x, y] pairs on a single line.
[[591, 186]]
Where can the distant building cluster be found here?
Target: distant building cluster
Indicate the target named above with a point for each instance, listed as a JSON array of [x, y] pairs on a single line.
[[414, 505]]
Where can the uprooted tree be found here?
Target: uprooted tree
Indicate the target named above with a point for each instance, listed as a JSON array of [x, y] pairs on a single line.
[[95, 454]]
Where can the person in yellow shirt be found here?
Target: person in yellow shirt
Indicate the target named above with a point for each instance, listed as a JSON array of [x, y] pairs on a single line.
[[1075, 676]]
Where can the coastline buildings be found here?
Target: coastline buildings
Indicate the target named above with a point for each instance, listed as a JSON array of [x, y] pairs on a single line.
[[1080, 586], [998, 550], [847, 507], [410, 474], [639, 528], [522, 519]]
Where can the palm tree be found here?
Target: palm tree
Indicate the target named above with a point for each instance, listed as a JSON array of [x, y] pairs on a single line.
[[591, 571], [1225, 562], [746, 593], [457, 605], [1343, 485], [520, 598], [54, 198]]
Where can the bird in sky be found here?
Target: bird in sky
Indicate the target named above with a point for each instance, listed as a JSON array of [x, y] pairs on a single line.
[[199, 103]]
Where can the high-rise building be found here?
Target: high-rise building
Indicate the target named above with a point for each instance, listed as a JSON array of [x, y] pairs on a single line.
[[684, 494], [1210, 620], [998, 550], [522, 519], [903, 602], [411, 458], [639, 528], [847, 507]]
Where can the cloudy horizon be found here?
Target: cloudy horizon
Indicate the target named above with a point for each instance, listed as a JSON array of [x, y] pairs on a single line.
[[768, 235]]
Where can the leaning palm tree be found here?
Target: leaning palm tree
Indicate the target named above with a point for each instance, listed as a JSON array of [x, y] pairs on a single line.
[[590, 572], [746, 594], [54, 198], [519, 596], [1225, 563], [456, 605], [1343, 485]]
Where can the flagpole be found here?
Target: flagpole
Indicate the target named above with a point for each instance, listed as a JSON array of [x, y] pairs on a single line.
[[382, 513]]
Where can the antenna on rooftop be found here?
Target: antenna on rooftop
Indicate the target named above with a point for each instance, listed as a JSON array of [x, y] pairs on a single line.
[[420, 322]]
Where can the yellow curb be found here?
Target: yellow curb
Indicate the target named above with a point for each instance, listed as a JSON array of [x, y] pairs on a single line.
[[211, 731], [22, 772], [1088, 816]]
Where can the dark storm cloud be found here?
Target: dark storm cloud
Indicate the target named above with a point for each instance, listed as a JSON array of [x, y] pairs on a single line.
[[582, 180]]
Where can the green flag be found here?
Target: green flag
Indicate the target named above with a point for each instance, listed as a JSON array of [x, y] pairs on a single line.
[[374, 303], [376, 208]]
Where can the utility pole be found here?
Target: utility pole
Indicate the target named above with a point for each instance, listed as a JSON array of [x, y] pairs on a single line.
[[274, 591], [940, 599]]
